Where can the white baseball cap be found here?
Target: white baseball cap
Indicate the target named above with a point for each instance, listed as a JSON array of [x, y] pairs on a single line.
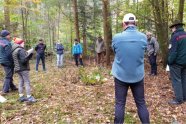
[[129, 18]]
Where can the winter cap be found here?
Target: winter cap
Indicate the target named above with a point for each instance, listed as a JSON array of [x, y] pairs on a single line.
[[18, 40], [4, 33], [176, 23], [129, 18]]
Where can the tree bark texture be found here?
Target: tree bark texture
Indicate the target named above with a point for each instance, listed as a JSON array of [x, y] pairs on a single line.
[[160, 11], [7, 15], [76, 23], [107, 29], [180, 10]]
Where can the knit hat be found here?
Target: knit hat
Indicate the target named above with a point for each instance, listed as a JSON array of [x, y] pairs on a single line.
[[4, 33], [18, 40]]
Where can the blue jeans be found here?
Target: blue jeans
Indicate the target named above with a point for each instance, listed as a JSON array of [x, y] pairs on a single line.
[[59, 60], [42, 57], [178, 77], [121, 89], [152, 61], [8, 81], [77, 58]]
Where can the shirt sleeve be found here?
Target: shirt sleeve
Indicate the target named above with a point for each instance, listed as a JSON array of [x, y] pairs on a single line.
[[23, 56], [173, 50]]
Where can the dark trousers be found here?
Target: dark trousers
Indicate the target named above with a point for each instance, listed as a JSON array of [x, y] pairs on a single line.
[[8, 81], [100, 58], [78, 59], [121, 89], [152, 61], [178, 77], [42, 58]]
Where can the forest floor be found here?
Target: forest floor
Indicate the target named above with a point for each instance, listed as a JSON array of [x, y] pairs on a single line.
[[63, 98]]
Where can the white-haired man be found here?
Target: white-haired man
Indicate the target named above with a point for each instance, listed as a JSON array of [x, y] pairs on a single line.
[[128, 68], [152, 50]]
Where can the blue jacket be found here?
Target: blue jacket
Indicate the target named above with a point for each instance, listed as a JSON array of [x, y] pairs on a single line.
[[59, 48], [6, 52], [77, 49], [177, 53], [129, 47]]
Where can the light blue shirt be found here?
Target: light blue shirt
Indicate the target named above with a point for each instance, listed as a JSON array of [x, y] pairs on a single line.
[[129, 47]]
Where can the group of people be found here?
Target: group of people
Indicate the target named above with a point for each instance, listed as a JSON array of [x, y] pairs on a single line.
[[129, 47], [14, 58]]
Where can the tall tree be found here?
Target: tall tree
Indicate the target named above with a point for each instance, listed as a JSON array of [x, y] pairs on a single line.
[[76, 22], [161, 15], [107, 29], [24, 17], [7, 14], [83, 14], [180, 10]]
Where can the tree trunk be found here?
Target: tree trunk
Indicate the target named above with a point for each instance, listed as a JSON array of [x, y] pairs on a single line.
[[117, 15], [180, 10], [76, 22], [24, 17], [59, 17], [84, 27], [7, 15], [107, 29], [160, 11]]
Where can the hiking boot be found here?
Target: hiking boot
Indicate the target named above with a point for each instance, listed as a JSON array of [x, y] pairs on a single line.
[[175, 102], [14, 89], [22, 99], [31, 99]]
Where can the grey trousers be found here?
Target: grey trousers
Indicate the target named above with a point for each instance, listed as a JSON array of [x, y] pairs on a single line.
[[24, 79]]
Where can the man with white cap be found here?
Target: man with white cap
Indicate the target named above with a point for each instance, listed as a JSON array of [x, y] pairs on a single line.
[[128, 68]]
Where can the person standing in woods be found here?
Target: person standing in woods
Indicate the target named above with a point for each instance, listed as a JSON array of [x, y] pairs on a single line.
[[60, 52], [77, 51], [100, 49], [40, 50], [177, 62], [21, 60], [6, 61], [128, 69], [152, 50]]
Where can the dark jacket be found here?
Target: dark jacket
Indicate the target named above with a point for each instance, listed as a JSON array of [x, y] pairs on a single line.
[[177, 53], [21, 58], [40, 48], [5, 52], [59, 48]]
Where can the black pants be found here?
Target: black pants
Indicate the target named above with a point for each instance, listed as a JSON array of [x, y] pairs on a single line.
[[121, 89], [152, 61], [78, 59]]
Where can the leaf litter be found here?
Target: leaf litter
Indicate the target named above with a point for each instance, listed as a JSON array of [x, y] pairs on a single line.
[[64, 98]]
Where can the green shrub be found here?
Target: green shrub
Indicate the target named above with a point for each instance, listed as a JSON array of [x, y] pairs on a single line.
[[91, 77]]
